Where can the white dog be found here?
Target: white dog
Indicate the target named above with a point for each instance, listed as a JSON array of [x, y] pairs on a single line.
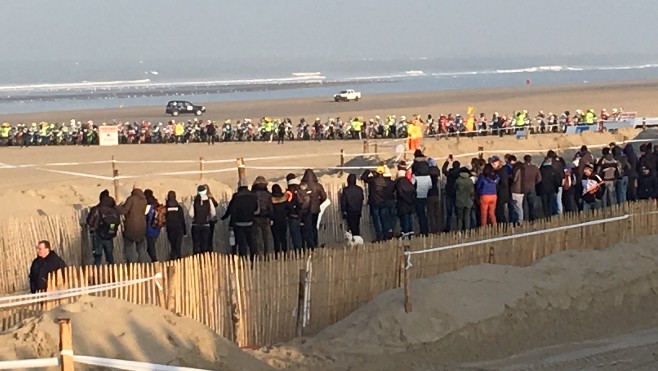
[[353, 241]]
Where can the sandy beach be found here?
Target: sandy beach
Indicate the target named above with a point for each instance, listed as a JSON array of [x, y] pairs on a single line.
[[632, 96]]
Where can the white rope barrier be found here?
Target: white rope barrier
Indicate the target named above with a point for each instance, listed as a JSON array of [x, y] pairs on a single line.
[[310, 167], [29, 363], [511, 237], [18, 300], [129, 365]]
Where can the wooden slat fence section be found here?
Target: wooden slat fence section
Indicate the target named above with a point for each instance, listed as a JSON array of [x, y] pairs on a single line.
[[255, 303]]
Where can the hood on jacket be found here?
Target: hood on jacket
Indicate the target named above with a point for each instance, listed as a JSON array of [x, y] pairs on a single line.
[[456, 165], [103, 194], [107, 201], [608, 156], [309, 176], [277, 191], [629, 151], [259, 187], [616, 151], [138, 193], [351, 179], [259, 181], [464, 175]]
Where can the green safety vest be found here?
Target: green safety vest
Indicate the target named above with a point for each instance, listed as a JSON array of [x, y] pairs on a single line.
[[356, 125], [5, 132], [519, 121], [589, 118]]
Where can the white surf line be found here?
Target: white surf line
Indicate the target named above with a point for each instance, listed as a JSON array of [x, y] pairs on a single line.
[[4, 165]]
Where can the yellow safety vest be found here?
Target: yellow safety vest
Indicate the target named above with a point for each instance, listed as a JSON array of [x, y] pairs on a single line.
[[180, 130]]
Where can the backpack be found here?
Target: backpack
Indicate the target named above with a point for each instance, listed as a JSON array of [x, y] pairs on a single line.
[[108, 223], [304, 197], [159, 219]]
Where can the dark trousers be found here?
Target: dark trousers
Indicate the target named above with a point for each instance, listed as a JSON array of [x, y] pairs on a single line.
[[175, 241], [434, 213], [354, 223], [406, 223], [211, 236], [150, 248], [463, 218], [280, 235], [101, 246], [548, 204], [450, 210], [531, 200], [200, 234], [502, 210], [569, 200], [378, 215], [295, 227], [244, 239], [263, 242], [421, 213], [310, 230], [631, 191]]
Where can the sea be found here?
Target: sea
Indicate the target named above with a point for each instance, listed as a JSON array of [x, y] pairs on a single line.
[[43, 86]]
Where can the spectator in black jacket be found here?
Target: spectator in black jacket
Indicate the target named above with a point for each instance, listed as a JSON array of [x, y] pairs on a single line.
[[242, 210], [451, 177], [262, 223], [548, 187], [176, 226], [351, 204], [405, 197], [434, 214], [503, 193], [647, 184], [45, 263], [376, 200]]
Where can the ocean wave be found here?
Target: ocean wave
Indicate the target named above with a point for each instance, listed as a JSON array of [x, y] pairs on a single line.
[[76, 85]]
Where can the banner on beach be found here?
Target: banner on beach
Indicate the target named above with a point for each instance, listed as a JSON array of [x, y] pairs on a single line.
[[108, 135], [608, 125]]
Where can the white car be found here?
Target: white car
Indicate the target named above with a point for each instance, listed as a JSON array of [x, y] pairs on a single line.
[[347, 95]]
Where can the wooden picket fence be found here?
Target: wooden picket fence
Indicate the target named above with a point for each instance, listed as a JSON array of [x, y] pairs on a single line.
[[257, 303]]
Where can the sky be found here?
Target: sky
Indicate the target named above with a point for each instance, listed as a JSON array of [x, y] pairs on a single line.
[[322, 29]]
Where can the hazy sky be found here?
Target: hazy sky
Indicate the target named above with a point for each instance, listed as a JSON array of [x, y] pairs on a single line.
[[166, 29]]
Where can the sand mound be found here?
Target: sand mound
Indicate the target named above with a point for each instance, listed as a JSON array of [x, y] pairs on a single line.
[[112, 328], [489, 311]]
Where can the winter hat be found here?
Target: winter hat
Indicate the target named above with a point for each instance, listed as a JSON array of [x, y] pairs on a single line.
[[387, 172], [294, 181], [418, 153], [380, 169], [201, 190]]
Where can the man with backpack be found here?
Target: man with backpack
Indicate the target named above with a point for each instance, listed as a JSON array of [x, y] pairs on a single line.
[[134, 227], [156, 215], [104, 221]]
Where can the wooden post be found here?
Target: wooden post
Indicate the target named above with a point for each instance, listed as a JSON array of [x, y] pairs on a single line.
[[480, 153], [242, 177], [172, 292], [492, 256], [65, 344], [234, 302], [115, 180], [366, 146], [201, 169], [644, 124], [159, 285], [376, 148], [407, 286], [300, 303], [342, 161]]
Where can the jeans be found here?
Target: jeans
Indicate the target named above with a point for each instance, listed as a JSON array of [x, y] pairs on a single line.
[[101, 246], [610, 195], [388, 218], [406, 223], [421, 213], [377, 214], [463, 218], [295, 227], [622, 189], [596, 205], [150, 248], [175, 241], [531, 200], [558, 202], [263, 241], [450, 210], [244, 240], [137, 254], [200, 234], [517, 204], [353, 223]]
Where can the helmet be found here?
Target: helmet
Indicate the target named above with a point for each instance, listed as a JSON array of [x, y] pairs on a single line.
[[377, 117], [403, 118]]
